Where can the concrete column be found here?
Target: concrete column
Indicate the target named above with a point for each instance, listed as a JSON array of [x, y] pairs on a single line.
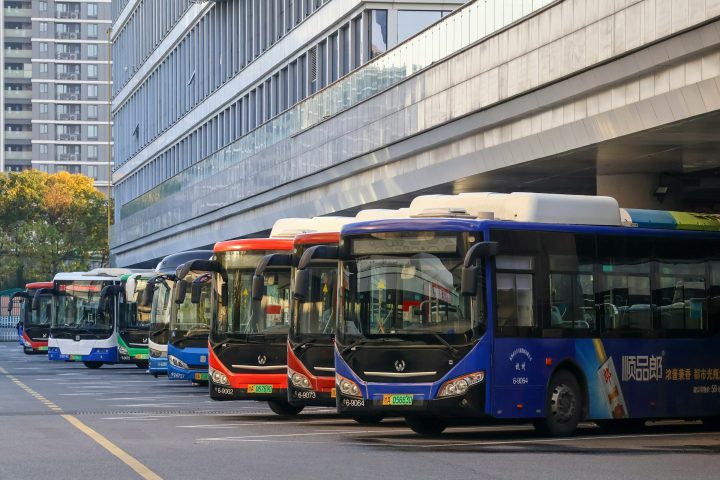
[[640, 190]]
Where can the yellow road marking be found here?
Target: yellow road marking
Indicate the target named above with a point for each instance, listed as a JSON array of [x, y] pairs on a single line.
[[130, 461], [125, 457]]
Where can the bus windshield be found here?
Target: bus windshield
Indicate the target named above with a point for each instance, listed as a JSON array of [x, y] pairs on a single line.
[[192, 319], [43, 316], [414, 297], [133, 315], [77, 306], [160, 312], [242, 316], [314, 315]]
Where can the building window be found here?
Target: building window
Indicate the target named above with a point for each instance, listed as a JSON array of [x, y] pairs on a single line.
[[92, 171], [92, 152], [43, 128], [410, 22], [43, 149], [92, 111], [377, 33], [92, 71], [92, 131], [43, 47], [92, 10], [43, 6], [92, 30], [43, 68], [43, 88], [43, 26], [43, 108], [92, 91], [92, 50]]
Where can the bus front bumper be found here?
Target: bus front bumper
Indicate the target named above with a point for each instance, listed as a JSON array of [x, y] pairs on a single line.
[[192, 375], [104, 355], [468, 406]]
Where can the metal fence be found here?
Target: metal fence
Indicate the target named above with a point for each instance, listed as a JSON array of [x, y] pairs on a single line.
[[8, 323]]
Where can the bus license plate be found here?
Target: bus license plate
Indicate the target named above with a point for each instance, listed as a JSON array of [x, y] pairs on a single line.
[[393, 400], [260, 388], [76, 357], [201, 376], [42, 349], [333, 393], [141, 356]]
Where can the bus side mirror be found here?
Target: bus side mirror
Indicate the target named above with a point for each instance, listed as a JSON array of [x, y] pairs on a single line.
[[195, 292], [148, 294], [39, 293], [302, 283], [258, 287], [469, 281], [180, 291]]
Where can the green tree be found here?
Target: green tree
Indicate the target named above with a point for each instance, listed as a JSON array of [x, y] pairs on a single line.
[[49, 223]]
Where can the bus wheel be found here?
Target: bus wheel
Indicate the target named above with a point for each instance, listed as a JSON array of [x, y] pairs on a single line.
[[368, 419], [426, 425], [93, 365], [284, 408], [563, 406]]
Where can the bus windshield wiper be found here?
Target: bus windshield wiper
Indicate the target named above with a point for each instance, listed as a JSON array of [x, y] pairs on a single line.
[[365, 340], [439, 337], [158, 332], [302, 344]]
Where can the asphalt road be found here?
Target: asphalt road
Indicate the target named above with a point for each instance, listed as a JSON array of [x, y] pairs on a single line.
[[62, 421]]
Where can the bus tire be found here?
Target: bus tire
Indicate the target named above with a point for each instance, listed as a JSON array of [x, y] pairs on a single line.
[[563, 406], [426, 425], [93, 365], [368, 419], [282, 407]]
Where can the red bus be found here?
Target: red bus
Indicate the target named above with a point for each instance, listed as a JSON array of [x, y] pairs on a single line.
[[35, 325]]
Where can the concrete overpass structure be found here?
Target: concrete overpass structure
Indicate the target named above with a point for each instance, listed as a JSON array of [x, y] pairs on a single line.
[[576, 96]]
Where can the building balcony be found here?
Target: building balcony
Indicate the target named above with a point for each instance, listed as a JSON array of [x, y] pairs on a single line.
[[24, 135], [68, 35], [18, 73], [25, 54], [17, 33], [68, 55], [18, 94], [70, 14], [18, 156], [18, 12], [21, 115]]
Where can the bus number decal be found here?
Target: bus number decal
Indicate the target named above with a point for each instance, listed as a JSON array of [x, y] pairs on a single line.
[[353, 402], [224, 391]]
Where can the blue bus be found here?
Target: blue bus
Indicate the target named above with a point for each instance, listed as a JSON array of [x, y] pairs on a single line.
[[526, 314], [189, 326], [159, 293]]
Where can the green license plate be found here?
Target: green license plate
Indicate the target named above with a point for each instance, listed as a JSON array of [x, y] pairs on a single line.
[[42, 349], [397, 400], [76, 357], [201, 376], [260, 388], [141, 356]]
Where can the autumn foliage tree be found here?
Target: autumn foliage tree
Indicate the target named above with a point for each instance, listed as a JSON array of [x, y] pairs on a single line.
[[49, 223]]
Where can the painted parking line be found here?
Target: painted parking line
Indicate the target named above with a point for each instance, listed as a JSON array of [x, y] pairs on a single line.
[[101, 440]]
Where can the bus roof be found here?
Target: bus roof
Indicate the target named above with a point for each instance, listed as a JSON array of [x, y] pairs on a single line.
[[248, 244], [470, 225], [87, 276], [169, 264], [320, 237], [38, 285]]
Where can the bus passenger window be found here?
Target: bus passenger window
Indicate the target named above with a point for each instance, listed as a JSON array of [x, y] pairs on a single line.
[[680, 296], [515, 300], [572, 301]]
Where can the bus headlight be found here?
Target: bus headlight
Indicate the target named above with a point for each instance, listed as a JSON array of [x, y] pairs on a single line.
[[460, 385], [218, 377], [299, 380], [176, 362], [347, 387], [157, 353], [122, 350], [26, 343]]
